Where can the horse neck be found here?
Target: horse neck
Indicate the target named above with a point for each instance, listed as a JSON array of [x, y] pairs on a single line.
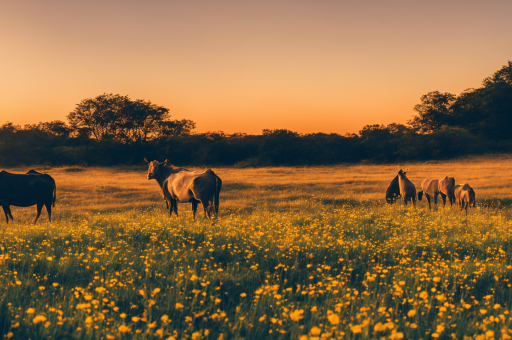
[[402, 179], [165, 172]]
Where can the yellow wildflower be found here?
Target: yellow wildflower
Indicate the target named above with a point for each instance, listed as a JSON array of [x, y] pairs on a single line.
[[356, 329], [334, 319], [315, 330], [297, 315], [39, 318]]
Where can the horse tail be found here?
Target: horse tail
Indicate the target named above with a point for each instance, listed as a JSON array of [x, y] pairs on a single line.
[[54, 194], [216, 196]]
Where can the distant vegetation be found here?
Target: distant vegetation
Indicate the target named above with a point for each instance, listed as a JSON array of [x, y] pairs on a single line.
[[113, 129]]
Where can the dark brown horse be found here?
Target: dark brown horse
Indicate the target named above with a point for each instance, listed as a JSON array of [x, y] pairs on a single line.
[[25, 190], [184, 186], [393, 191]]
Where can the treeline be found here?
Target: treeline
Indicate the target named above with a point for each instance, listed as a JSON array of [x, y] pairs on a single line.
[[113, 130]]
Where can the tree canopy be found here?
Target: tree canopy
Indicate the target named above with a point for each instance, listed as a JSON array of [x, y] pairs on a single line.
[[485, 111], [115, 117]]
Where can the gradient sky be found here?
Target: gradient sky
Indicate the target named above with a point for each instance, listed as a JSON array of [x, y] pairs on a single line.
[[242, 66]]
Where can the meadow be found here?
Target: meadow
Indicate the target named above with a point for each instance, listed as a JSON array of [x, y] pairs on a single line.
[[296, 253]]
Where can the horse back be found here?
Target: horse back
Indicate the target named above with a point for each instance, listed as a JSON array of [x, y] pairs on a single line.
[[25, 190]]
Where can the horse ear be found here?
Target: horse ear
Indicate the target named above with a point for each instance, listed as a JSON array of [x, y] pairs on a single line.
[[164, 163], [145, 160]]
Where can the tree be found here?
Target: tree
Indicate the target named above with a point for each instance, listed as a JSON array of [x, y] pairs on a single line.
[[56, 128], [10, 127], [503, 75], [433, 112], [99, 117], [141, 120], [487, 111], [176, 128], [117, 117]]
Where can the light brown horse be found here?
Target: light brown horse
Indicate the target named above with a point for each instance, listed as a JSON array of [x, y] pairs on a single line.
[[465, 195], [456, 192], [429, 187], [25, 190], [446, 186], [407, 189], [184, 186]]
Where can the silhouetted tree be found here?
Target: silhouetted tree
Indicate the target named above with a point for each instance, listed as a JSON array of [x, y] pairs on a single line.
[[487, 111], [433, 112], [10, 127], [56, 128], [99, 117], [176, 128], [502, 76], [116, 117]]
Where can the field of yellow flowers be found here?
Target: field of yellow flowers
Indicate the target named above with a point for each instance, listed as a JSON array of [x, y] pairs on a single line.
[[296, 253]]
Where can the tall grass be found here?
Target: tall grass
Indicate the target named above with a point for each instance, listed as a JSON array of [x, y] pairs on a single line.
[[296, 253]]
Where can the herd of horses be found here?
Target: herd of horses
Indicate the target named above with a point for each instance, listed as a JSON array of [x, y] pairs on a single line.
[[185, 186], [177, 185], [402, 187]]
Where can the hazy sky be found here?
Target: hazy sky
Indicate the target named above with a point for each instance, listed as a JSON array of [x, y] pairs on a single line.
[[242, 66]]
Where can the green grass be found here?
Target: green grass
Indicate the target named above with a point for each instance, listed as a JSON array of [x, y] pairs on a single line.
[[261, 274], [281, 262]]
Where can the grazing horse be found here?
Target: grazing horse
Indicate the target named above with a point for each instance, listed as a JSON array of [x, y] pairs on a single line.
[[429, 187], [25, 190], [446, 186], [465, 195], [456, 192], [184, 186], [407, 189], [393, 192]]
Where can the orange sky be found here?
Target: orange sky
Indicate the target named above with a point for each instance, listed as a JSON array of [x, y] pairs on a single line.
[[242, 66]]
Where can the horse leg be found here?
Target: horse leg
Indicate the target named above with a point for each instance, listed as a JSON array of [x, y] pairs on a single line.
[[443, 196], [466, 204], [217, 207], [194, 208], [6, 212], [175, 206], [206, 208], [49, 209], [405, 200], [9, 211], [428, 199], [414, 202], [39, 208]]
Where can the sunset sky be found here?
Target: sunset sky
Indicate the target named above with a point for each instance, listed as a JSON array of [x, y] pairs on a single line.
[[243, 66]]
